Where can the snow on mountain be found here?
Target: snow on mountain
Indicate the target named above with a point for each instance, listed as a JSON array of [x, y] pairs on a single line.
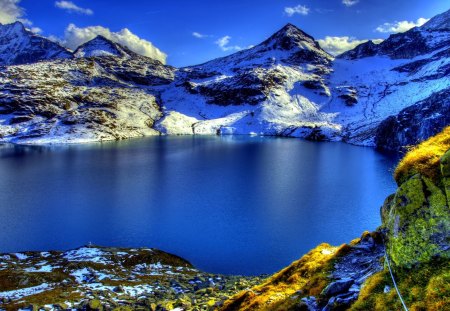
[[100, 46], [439, 22], [285, 86], [402, 71], [20, 46], [273, 88], [80, 99]]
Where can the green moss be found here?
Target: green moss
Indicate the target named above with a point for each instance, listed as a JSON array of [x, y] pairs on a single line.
[[418, 222], [95, 304], [426, 287]]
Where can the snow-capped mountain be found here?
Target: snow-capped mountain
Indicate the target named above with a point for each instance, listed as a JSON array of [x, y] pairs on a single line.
[[287, 86], [20, 46], [273, 88], [100, 46], [83, 98], [405, 70]]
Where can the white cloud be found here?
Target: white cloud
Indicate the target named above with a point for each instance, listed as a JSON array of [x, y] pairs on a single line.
[[338, 45], [223, 44], [348, 3], [401, 26], [71, 7], [199, 35], [75, 36], [299, 9], [10, 11]]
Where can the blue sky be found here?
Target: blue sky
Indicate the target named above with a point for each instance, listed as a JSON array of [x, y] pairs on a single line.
[[170, 25]]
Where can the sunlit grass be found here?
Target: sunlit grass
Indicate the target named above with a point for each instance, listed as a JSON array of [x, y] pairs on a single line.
[[307, 276], [424, 158]]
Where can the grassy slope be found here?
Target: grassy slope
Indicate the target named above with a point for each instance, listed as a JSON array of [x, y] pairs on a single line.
[[424, 158]]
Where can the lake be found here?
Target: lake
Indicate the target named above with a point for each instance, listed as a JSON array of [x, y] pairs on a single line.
[[233, 204]]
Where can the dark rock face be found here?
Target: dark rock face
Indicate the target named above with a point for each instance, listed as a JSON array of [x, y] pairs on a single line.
[[366, 49], [20, 46], [415, 123], [338, 287], [405, 45], [248, 87]]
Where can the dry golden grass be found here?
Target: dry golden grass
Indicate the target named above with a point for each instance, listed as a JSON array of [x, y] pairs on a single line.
[[424, 158], [282, 291]]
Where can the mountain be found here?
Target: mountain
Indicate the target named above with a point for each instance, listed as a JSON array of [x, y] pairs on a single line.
[[20, 46], [404, 73], [285, 86], [267, 89], [100, 46], [82, 99]]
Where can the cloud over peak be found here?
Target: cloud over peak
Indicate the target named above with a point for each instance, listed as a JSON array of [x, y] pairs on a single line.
[[299, 9], [71, 7], [75, 36], [10, 11], [400, 26]]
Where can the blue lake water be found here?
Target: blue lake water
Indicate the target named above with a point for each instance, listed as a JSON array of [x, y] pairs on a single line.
[[240, 205]]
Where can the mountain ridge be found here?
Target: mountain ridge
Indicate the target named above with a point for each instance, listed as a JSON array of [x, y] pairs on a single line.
[[287, 85], [19, 46]]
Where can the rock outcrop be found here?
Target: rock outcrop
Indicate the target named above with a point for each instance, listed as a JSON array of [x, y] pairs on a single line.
[[415, 123], [417, 216]]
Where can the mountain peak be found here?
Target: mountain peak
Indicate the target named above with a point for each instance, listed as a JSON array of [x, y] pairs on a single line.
[[100, 46], [290, 37], [438, 22], [12, 29], [20, 46], [362, 50]]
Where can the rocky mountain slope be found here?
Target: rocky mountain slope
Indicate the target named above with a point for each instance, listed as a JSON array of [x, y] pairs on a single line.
[[82, 99], [285, 86], [20, 46]]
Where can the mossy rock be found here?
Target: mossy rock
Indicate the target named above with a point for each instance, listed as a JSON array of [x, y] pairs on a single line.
[[418, 221], [94, 304]]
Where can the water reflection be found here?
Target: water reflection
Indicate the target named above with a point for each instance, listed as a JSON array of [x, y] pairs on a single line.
[[243, 205]]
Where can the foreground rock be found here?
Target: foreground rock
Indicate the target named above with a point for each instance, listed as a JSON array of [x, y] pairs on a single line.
[[99, 278]]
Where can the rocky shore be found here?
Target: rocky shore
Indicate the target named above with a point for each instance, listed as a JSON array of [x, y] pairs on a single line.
[[99, 278]]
